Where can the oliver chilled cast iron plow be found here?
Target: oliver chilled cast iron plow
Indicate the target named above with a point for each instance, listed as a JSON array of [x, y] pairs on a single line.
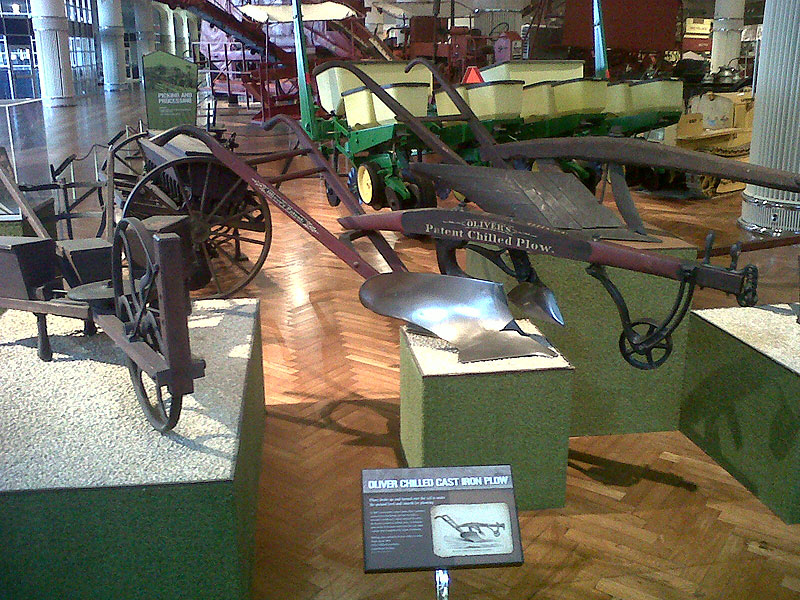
[[444, 304]]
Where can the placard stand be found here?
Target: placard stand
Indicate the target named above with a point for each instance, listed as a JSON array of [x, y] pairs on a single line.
[[442, 584]]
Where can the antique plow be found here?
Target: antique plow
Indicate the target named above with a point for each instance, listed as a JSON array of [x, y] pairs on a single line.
[[189, 173], [420, 298], [645, 343]]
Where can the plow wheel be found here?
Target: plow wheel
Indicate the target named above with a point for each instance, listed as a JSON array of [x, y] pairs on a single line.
[[134, 270], [231, 228]]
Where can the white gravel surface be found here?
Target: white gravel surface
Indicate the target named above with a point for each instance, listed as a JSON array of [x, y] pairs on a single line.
[[75, 422], [435, 356], [771, 329]]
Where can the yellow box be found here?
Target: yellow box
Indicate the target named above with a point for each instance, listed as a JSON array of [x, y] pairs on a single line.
[[331, 83], [358, 108], [657, 95], [580, 96], [411, 96], [618, 99], [496, 99], [534, 71], [445, 107], [538, 101]]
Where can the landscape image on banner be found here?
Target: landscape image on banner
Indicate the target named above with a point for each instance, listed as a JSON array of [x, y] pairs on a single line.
[[471, 529]]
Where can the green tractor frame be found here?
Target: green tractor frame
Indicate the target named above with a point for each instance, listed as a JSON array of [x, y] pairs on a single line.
[[378, 157]]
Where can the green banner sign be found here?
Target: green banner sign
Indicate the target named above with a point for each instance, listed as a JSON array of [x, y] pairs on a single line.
[[170, 89]]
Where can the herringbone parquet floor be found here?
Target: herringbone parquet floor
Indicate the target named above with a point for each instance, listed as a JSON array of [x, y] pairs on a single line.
[[647, 516]]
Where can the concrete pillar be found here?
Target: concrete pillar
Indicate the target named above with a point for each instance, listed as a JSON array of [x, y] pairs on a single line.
[[112, 44], [776, 126], [167, 28], [143, 15], [726, 41], [181, 34], [194, 33], [52, 42]]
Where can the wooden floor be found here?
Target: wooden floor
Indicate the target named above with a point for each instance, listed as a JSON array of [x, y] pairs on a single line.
[[647, 516]]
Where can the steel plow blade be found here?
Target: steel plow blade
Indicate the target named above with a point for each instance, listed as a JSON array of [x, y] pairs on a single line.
[[471, 314], [537, 301]]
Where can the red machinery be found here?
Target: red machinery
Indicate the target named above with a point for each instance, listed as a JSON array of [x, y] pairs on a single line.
[[453, 50], [274, 81]]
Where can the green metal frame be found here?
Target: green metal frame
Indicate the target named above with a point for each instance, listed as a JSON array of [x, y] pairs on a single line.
[[392, 146]]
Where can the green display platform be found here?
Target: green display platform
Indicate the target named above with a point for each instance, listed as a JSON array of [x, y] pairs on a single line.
[[513, 411], [95, 504], [610, 396], [741, 400]]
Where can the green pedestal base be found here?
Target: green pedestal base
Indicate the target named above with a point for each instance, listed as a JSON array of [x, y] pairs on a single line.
[[610, 396], [500, 412], [97, 505], [740, 400]]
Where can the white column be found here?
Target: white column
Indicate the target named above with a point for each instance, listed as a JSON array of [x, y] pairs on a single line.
[[112, 43], [143, 16], [50, 28], [726, 41], [181, 34], [776, 126], [167, 28], [194, 32]]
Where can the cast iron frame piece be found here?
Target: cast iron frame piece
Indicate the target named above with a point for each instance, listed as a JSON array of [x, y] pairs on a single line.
[[645, 344]]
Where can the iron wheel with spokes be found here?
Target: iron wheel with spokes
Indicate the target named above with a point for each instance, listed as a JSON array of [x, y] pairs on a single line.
[[134, 270], [231, 228]]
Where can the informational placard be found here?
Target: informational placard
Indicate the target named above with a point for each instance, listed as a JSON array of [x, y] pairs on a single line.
[[170, 90], [439, 518]]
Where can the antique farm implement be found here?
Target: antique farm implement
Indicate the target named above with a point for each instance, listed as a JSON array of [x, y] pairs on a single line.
[[231, 231], [132, 285], [342, 110], [192, 214], [644, 343]]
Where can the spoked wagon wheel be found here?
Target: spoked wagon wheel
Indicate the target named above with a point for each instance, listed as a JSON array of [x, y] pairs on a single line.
[[230, 223], [133, 269]]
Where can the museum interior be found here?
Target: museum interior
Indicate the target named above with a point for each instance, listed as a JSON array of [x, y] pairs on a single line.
[[400, 299]]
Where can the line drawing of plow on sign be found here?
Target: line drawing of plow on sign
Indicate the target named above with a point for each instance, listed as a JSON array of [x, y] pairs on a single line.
[[471, 529], [472, 532]]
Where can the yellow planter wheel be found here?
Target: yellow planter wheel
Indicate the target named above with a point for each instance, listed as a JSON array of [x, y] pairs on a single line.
[[370, 185]]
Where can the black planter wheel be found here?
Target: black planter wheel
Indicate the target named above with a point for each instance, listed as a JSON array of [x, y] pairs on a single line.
[[230, 223]]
